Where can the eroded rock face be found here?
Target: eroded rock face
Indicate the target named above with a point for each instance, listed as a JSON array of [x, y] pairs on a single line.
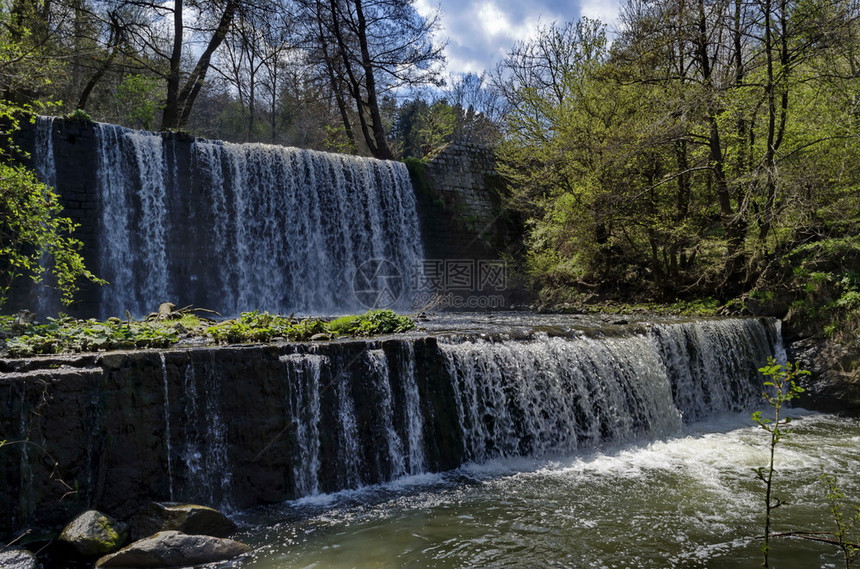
[[190, 519], [94, 534], [173, 549], [834, 385], [18, 559]]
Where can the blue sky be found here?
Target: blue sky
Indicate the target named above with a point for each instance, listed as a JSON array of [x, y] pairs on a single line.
[[481, 32]]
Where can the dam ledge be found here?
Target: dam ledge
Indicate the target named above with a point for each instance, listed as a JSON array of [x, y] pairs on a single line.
[[237, 426]]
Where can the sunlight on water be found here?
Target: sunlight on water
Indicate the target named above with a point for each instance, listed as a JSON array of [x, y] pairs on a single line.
[[684, 502]]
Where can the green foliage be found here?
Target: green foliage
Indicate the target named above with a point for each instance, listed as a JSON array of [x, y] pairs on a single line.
[[846, 524], [265, 327], [418, 174], [376, 322], [336, 140], [66, 334], [782, 383], [137, 98], [651, 169], [32, 230], [79, 115], [819, 283]]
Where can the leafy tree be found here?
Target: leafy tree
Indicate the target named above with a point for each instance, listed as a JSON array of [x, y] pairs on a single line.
[[31, 228], [783, 387], [136, 97], [703, 145]]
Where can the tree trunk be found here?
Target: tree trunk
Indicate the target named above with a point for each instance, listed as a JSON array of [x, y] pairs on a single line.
[[170, 116]]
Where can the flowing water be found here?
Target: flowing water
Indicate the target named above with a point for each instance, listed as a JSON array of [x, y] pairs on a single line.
[[629, 447], [690, 500], [234, 227], [500, 441]]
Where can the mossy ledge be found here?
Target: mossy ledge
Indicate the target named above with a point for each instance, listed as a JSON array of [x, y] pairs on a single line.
[[166, 329]]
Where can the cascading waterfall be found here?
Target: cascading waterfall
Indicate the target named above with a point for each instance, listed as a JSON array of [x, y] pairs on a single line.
[[46, 171], [245, 226], [363, 417], [167, 434], [559, 395], [382, 387], [303, 377], [415, 426], [204, 456], [348, 456], [243, 425], [43, 154]]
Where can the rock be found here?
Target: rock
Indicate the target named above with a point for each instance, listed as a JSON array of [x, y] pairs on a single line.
[[174, 549], [18, 559], [165, 311], [94, 534], [189, 519], [23, 320], [320, 337]]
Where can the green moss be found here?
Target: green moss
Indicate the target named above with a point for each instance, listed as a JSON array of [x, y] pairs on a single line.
[[66, 334]]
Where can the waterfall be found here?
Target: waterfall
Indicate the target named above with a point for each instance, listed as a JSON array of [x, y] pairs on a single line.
[[245, 425], [349, 453], [385, 400], [167, 434], [235, 227], [47, 301], [206, 475], [43, 151], [303, 377], [414, 421], [376, 412], [562, 394]]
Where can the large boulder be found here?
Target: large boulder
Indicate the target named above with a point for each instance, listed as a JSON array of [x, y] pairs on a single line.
[[18, 559], [190, 519], [173, 549], [93, 534]]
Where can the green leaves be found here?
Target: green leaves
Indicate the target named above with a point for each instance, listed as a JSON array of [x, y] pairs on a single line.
[[32, 231], [265, 327], [66, 334]]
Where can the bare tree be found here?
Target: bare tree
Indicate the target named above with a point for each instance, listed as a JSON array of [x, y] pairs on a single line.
[[368, 47]]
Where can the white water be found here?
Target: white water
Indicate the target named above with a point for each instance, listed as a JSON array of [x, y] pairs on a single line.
[[303, 376], [382, 386], [206, 474], [46, 171], [167, 434], [268, 228], [684, 502], [558, 394]]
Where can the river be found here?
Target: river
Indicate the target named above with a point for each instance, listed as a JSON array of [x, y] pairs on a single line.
[[688, 501]]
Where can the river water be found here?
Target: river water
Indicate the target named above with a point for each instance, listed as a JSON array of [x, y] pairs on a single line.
[[687, 501]]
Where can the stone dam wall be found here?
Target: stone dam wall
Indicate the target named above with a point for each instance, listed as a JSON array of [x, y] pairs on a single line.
[[113, 431], [239, 426]]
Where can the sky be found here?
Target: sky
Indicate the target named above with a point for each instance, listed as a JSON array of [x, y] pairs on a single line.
[[481, 32]]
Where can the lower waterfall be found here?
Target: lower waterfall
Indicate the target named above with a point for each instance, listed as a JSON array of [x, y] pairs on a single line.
[[399, 408], [238, 426]]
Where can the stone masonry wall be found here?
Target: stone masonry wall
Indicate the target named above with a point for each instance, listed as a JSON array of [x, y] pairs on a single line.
[[468, 233], [460, 174]]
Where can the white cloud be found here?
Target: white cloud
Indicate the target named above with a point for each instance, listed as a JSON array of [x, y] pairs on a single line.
[[604, 10], [480, 34]]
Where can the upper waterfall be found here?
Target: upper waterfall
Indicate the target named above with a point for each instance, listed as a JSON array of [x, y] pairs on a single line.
[[237, 227]]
